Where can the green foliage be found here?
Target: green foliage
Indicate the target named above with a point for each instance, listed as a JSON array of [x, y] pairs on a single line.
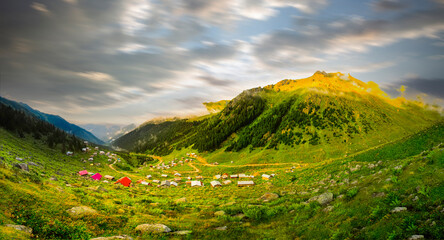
[[351, 193]]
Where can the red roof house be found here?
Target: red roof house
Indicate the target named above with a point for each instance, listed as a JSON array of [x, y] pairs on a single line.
[[125, 181], [83, 172]]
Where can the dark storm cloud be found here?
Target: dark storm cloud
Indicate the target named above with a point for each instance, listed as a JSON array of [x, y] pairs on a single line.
[[388, 5], [433, 87], [312, 43]]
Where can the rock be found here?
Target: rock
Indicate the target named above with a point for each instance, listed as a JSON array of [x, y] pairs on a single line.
[[328, 209], [415, 199], [183, 232], [124, 237], [20, 228], [219, 213], [33, 164], [325, 198], [81, 211], [371, 166], [153, 228], [303, 193], [224, 228], [356, 168], [54, 178], [268, 197], [22, 166], [240, 216], [414, 237], [398, 167], [181, 200], [19, 159], [399, 209], [378, 195], [354, 182]]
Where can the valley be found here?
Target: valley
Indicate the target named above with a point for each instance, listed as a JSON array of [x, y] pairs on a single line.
[[269, 164]]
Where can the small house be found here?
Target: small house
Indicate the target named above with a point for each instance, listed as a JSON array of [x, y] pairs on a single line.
[[242, 175], [226, 182], [266, 177], [174, 183], [225, 176], [69, 153], [96, 148], [164, 175], [178, 179], [215, 184], [148, 176], [234, 176], [245, 183], [177, 174], [125, 181], [102, 153], [156, 181], [83, 149], [145, 183], [199, 177], [83, 173], [165, 183], [216, 177], [96, 176], [109, 177], [196, 184]]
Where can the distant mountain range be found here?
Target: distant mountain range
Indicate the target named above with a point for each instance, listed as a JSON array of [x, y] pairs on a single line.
[[108, 132], [325, 109], [55, 120]]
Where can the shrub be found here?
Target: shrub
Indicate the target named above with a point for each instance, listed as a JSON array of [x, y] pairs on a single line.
[[351, 193]]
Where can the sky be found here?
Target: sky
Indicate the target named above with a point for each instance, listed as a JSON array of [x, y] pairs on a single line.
[[128, 61]]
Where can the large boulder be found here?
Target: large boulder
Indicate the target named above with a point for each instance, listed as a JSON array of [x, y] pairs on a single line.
[[121, 237], [22, 166], [81, 211], [153, 228], [20, 228], [268, 197], [322, 199]]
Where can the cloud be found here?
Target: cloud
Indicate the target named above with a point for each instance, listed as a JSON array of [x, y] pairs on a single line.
[[215, 81], [388, 5], [347, 35], [40, 7], [433, 87]]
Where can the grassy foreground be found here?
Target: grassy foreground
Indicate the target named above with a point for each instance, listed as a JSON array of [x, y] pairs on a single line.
[[366, 188]]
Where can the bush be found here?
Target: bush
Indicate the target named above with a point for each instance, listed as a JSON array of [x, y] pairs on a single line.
[[351, 193]]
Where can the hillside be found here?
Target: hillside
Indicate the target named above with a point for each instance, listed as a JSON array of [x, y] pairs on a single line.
[[379, 193], [54, 120], [331, 111]]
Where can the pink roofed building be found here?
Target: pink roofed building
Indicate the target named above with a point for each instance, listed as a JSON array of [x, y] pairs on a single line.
[[96, 176], [83, 172]]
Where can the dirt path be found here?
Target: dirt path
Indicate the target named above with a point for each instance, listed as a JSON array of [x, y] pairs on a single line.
[[125, 173]]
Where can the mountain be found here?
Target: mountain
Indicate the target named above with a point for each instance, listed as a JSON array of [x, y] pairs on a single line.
[[108, 132], [326, 109], [57, 121]]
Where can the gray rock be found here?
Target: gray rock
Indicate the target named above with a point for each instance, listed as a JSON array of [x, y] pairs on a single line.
[[378, 195], [153, 228], [398, 209], [81, 211], [20, 228], [322, 199], [224, 228], [219, 213], [19, 159], [328, 209], [268, 197], [22, 166], [414, 237], [183, 232], [120, 237], [33, 164]]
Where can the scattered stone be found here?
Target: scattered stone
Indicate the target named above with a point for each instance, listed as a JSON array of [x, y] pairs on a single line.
[[22, 166], [123, 237], [354, 182], [398, 167], [54, 178], [303, 193], [328, 209], [224, 228], [415, 199], [399, 209], [378, 195], [181, 200], [19, 159], [239, 216], [219, 213], [34, 164], [414, 237], [322, 199], [81, 211], [356, 168], [340, 196], [371, 166], [183, 232], [268, 197], [20, 228], [153, 228]]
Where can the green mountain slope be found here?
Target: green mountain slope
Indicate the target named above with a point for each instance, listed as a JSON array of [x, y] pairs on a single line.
[[322, 110], [55, 120]]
